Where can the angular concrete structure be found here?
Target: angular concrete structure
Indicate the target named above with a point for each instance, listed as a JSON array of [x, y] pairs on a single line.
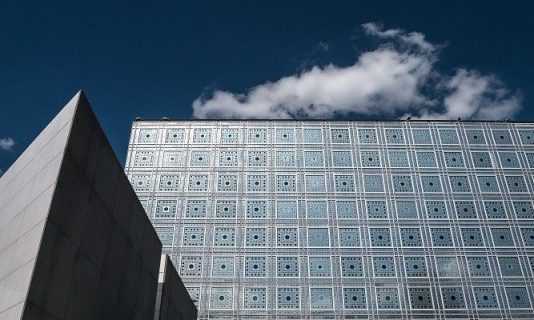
[[75, 242]]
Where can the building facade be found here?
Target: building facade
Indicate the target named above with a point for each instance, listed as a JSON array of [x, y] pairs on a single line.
[[343, 219]]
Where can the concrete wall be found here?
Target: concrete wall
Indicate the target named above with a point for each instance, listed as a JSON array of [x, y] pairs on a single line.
[[173, 302], [75, 242], [26, 191]]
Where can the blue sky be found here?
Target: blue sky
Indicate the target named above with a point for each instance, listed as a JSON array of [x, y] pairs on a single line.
[[270, 59]]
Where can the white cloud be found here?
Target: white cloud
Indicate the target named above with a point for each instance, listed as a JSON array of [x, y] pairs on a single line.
[[6, 144], [398, 77]]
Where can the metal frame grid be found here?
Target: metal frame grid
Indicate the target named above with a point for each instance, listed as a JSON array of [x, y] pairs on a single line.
[[343, 219]]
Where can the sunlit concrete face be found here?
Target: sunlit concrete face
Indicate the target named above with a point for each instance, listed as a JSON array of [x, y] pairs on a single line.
[[338, 219], [75, 242]]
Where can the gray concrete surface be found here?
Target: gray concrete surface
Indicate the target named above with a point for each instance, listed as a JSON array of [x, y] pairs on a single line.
[[75, 242]]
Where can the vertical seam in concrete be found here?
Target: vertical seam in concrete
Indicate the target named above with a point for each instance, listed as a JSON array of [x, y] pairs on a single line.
[[79, 94]]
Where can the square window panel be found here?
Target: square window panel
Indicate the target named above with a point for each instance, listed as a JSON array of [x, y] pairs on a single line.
[[288, 298], [316, 209], [502, 237], [310, 135], [287, 267], [530, 159], [172, 159], [198, 182], [478, 267], [257, 183], [420, 298], [402, 184], [223, 267], [354, 298], [191, 266], [523, 209], [140, 183], [481, 159], [255, 267], [411, 237], [229, 135], [349, 237], [488, 184], [340, 135], [415, 267], [453, 298], [147, 136], [447, 267], [320, 267], [460, 184], [384, 267], [367, 136], [175, 136], [526, 136], [257, 135], [394, 136], [380, 237], [286, 183], [370, 158], [441, 237], [318, 237], [344, 183], [221, 298], [518, 298], [169, 183], [510, 267], [528, 236], [516, 184], [472, 237], [509, 160], [485, 298], [165, 209], [144, 159], [454, 160], [256, 209], [195, 209], [321, 298], [387, 298], [421, 136], [285, 135], [494, 210], [257, 158], [314, 158], [448, 136], [286, 209], [436, 209], [256, 237], [228, 159], [465, 209], [202, 136], [200, 158], [352, 267], [431, 184], [193, 236], [373, 183], [224, 237], [406, 210], [315, 183], [475, 137], [341, 159], [346, 209], [255, 298], [502, 137], [398, 159], [285, 158], [225, 209], [426, 159], [287, 237], [165, 235], [377, 209], [227, 183]]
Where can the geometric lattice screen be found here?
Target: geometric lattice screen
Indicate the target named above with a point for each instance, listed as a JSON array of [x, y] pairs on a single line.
[[341, 219]]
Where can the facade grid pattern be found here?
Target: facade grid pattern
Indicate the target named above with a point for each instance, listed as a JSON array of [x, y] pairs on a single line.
[[343, 219]]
